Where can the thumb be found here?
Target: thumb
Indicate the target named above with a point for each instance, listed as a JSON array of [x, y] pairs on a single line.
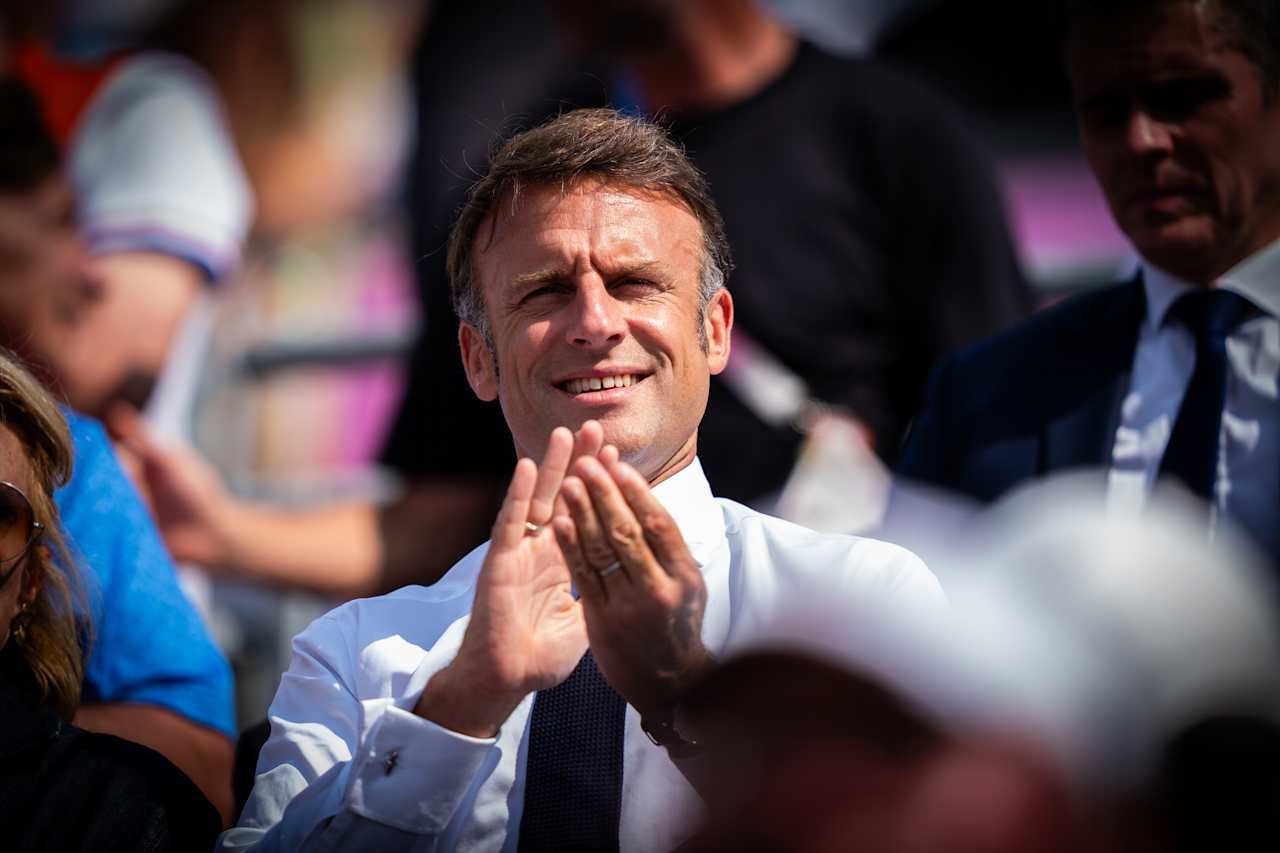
[[127, 427]]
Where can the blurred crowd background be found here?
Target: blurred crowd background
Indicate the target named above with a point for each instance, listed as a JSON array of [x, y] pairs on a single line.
[[357, 124], [354, 119]]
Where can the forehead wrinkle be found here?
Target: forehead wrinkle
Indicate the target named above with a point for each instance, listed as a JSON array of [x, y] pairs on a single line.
[[603, 237], [1134, 39]]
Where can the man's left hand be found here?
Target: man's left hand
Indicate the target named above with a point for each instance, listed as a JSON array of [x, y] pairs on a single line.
[[642, 592]]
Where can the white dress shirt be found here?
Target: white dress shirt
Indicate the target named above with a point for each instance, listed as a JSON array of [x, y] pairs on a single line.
[[1247, 483], [348, 765]]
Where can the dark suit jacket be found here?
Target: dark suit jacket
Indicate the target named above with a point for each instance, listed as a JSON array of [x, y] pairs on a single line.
[[1044, 396]]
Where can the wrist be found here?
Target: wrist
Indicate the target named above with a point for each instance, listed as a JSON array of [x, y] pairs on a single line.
[[669, 730], [231, 534], [670, 689], [456, 698]]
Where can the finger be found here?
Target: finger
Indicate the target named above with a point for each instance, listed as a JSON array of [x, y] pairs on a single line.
[[588, 439], [508, 528], [554, 463], [127, 427], [591, 536], [660, 531], [588, 582], [625, 535], [608, 456]]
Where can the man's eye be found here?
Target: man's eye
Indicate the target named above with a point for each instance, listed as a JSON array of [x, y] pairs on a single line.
[[1109, 110], [542, 292], [633, 284], [1179, 100]]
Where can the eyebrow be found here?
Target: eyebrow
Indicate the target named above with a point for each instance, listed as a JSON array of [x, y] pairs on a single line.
[[540, 277], [550, 276]]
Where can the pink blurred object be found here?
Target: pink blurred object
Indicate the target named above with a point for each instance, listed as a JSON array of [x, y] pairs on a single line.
[[1060, 220]]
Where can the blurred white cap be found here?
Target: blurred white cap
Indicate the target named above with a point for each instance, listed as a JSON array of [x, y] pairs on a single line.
[[1093, 635], [155, 168]]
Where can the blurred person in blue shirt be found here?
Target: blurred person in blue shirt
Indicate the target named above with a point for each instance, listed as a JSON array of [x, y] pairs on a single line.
[[153, 674]]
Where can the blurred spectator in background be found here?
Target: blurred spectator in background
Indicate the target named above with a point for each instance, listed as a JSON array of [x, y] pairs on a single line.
[[480, 68], [164, 207], [1103, 683], [866, 225], [153, 675], [1175, 372], [62, 788]]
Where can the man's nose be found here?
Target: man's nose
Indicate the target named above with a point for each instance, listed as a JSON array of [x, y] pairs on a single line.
[[598, 318], [88, 274], [1148, 135]]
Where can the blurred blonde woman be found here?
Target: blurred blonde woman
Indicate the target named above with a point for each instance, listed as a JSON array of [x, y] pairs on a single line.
[[62, 788]]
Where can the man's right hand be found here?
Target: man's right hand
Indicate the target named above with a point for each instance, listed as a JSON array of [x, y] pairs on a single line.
[[527, 630], [190, 503]]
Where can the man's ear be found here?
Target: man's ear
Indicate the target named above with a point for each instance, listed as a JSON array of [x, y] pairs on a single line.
[[718, 327], [477, 361]]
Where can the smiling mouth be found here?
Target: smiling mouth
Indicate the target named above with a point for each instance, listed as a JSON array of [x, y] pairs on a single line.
[[588, 384]]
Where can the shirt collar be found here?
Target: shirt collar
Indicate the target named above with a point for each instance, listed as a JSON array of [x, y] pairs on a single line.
[[1162, 290], [1256, 278], [687, 495]]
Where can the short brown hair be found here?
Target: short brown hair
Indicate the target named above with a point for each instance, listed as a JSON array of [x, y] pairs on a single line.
[[56, 625], [586, 144], [28, 152], [1250, 26]]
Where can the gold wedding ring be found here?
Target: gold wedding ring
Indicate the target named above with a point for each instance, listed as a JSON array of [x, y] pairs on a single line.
[[531, 529], [609, 569]]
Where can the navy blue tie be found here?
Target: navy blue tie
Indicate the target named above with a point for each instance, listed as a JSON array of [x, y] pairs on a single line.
[[573, 778], [1192, 452]]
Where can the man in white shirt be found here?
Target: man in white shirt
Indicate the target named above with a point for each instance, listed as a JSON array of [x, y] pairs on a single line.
[[1174, 373], [588, 269]]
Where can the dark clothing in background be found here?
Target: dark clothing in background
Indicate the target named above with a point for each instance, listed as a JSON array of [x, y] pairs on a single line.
[[484, 69], [65, 789], [1039, 398], [869, 240]]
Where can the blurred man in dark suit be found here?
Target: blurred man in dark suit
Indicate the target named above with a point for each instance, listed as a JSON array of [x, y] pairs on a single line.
[[1175, 372]]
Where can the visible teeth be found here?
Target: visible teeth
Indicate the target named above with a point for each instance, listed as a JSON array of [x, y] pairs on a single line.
[[599, 383]]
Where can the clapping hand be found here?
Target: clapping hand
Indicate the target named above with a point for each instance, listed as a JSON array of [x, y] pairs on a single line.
[[642, 593], [527, 631], [640, 598]]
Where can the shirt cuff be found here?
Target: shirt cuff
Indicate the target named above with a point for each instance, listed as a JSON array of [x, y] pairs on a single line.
[[412, 774]]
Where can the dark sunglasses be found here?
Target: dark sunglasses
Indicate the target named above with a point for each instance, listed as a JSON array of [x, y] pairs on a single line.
[[19, 529]]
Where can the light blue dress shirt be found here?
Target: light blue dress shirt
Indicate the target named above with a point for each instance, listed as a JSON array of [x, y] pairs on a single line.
[[1247, 483]]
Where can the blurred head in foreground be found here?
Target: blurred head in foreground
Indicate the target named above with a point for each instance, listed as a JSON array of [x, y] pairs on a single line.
[[1106, 682]]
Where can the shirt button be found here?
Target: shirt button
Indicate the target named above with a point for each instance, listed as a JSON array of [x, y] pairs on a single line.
[[389, 763]]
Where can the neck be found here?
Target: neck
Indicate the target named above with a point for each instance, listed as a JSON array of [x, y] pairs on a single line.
[[720, 52], [674, 464], [1204, 269]]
